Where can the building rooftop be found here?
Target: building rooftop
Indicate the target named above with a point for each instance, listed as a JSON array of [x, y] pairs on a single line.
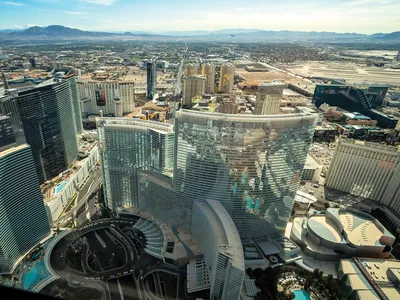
[[143, 124], [361, 229], [356, 116], [338, 233], [53, 187], [379, 147], [302, 197], [13, 149], [373, 278], [277, 121]]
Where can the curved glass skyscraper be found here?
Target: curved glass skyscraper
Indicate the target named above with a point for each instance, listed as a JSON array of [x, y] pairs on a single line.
[[251, 164], [23, 219]]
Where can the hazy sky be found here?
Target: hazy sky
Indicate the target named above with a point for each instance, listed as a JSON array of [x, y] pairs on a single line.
[[363, 16]]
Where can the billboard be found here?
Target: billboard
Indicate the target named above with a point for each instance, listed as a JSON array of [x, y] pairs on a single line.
[[100, 97]]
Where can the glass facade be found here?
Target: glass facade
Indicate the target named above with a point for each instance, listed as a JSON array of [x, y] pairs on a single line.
[[23, 218], [45, 114], [129, 149], [251, 164]]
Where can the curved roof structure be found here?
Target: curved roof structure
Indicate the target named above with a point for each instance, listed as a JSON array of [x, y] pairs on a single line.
[[342, 233]]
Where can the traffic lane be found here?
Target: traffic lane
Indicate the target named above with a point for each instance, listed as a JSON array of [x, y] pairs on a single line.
[[94, 175], [128, 286]]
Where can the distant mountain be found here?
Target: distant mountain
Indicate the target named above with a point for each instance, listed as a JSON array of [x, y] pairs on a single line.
[[231, 35], [190, 33], [9, 30], [395, 36], [377, 35], [58, 31]]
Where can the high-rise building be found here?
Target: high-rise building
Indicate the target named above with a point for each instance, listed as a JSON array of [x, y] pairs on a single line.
[[151, 78], [208, 71], [226, 78], [23, 218], [4, 79], [189, 69], [269, 98], [214, 231], [113, 98], [46, 115], [251, 164], [368, 170], [56, 65], [192, 86], [32, 61], [364, 99], [226, 178], [131, 148], [7, 137]]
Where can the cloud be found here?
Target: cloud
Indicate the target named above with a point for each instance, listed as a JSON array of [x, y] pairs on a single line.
[[108, 21], [99, 2], [13, 3], [240, 9], [73, 12], [363, 2]]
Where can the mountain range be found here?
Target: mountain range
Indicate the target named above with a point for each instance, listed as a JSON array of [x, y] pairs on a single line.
[[239, 34]]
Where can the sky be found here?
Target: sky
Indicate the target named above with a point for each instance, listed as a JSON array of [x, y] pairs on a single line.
[[361, 16]]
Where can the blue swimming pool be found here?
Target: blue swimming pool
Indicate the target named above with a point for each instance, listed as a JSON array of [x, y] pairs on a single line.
[[301, 295], [60, 187], [37, 273]]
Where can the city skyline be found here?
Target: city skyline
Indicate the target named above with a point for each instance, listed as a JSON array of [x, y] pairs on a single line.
[[361, 16]]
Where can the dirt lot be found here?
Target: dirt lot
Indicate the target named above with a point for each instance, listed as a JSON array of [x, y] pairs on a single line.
[[353, 73], [259, 77]]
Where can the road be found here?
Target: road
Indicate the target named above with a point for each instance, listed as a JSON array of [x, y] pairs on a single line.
[[178, 87], [92, 184]]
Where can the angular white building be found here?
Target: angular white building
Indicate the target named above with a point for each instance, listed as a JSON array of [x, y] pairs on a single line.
[[368, 170]]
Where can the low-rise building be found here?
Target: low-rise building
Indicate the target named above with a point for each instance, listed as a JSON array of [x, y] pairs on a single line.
[[59, 191], [341, 233], [365, 278]]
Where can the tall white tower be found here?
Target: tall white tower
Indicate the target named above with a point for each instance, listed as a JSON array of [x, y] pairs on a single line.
[[192, 86], [208, 71], [226, 78], [269, 98]]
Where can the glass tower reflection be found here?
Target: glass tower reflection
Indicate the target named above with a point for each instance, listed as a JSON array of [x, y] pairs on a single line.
[[251, 164]]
